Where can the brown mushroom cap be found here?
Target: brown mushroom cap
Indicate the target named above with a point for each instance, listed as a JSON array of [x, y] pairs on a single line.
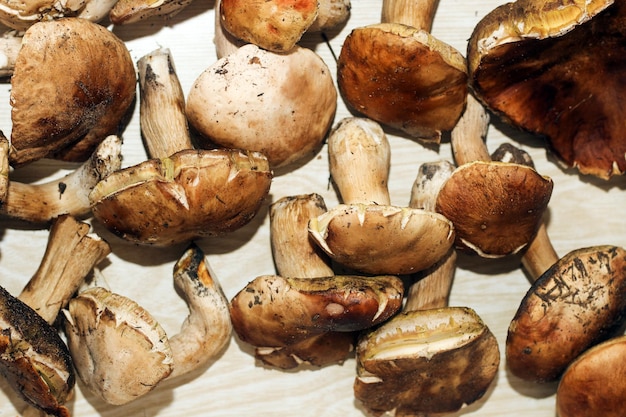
[[190, 195], [281, 105], [556, 69], [431, 348], [484, 222], [572, 306], [593, 385], [404, 78], [84, 84]]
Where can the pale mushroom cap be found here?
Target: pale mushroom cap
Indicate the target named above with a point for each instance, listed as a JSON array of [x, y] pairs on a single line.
[[189, 195], [120, 351], [281, 105], [383, 239], [496, 207], [271, 24], [404, 78], [429, 361], [554, 69], [81, 93], [572, 306], [593, 385]]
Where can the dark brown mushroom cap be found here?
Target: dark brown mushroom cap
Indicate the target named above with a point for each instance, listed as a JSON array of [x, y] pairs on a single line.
[[273, 311], [496, 207], [192, 194], [84, 84], [428, 361], [404, 78], [593, 385], [556, 69], [572, 306], [34, 360]]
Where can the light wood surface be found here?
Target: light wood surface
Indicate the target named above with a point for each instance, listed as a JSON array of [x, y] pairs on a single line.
[[583, 212]]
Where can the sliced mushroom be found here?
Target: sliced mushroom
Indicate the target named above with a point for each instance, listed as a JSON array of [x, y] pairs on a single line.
[[281, 105], [68, 93], [121, 352], [352, 232], [593, 385], [565, 87], [496, 207], [184, 195], [40, 203], [306, 314], [400, 75]]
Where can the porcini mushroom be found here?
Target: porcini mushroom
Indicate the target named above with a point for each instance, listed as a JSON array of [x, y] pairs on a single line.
[[40, 203], [281, 105], [68, 92], [593, 385], [307, 314], [496, 207], [183, 193], [121, 352], [536, 64], [398, 74], [366, 233], [22, 15], [430, 358], [125, 12]]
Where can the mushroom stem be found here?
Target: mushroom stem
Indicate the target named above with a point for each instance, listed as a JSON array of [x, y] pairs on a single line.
[[540, 254], [207, 329], [5, 168], [162, 118], [416, 13], [70, 255], [10, 44], [40, 203], [468, 136]]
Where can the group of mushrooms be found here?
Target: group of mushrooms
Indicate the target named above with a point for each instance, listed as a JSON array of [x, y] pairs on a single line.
[[383, 297]]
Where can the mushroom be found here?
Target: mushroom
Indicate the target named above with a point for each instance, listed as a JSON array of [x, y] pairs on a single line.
[[536, 64], [366, 233], [126, 12], [68, 92], [180, 193], [34, 359], [399, 75], [306, 314], [21, 15], [593, 385], [281, 105], [430, 358], [40, 203], [496, 207], [121, 352]]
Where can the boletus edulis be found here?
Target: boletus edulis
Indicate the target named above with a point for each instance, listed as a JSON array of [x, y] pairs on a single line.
[[556, 69]]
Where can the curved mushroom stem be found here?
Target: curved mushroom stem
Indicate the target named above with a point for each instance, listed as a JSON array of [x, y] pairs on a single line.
[[416, 13], [225, 42], [71, 254], [207, 329], [468, 136], [163, 122], [359, 161], [40, 203]]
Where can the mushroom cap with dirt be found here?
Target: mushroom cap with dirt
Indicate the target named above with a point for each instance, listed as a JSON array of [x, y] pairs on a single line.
[[555, 69], [281, 105]]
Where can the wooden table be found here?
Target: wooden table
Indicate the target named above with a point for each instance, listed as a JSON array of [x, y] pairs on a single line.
[[583, 212]]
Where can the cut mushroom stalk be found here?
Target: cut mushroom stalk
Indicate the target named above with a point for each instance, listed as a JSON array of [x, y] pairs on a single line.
[[430, 358], [40, 203], [103, 328], [352, 232], [319, 312]]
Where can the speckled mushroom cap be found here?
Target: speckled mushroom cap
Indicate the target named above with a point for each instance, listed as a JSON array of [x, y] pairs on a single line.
[[281, 105], [575, 304], [73, 83], [555, 69], [404, 78]]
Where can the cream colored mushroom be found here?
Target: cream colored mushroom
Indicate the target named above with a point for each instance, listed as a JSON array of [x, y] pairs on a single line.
[[21, 15], [366, 233], [126, 12], [281, 105], [183, 193], [40, 203], [121, 352]]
